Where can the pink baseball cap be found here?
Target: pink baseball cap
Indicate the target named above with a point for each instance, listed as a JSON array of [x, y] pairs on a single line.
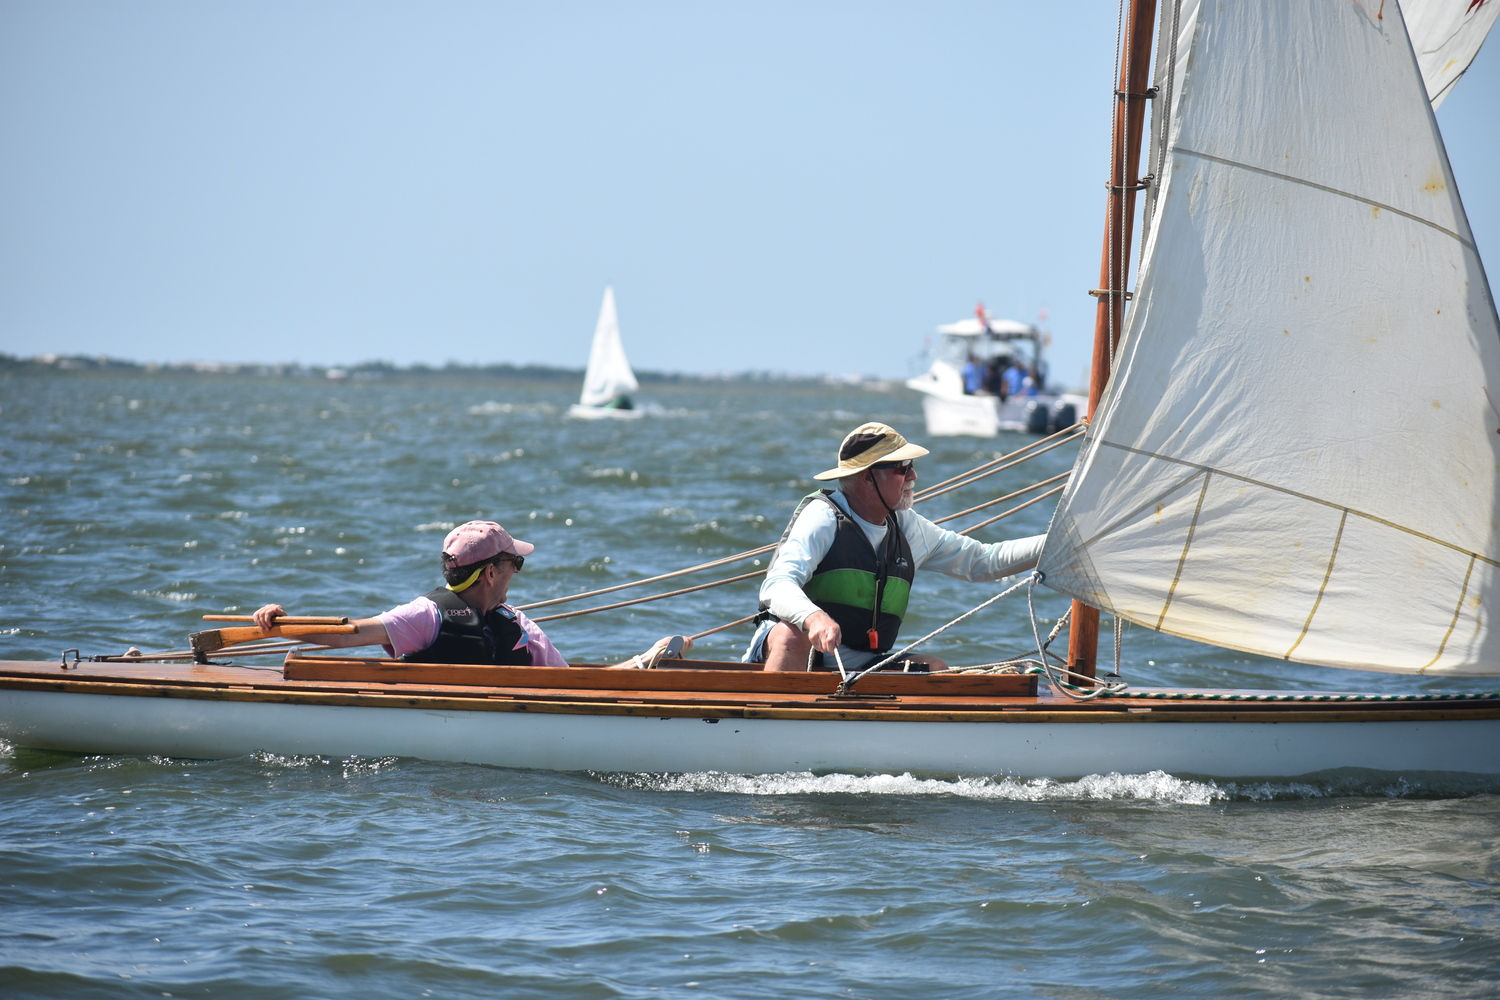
[[475, 541]]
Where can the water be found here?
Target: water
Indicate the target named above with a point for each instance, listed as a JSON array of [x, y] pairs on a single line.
[[134, 504]]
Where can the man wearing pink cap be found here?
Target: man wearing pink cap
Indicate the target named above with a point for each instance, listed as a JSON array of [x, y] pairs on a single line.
[[467, 619]]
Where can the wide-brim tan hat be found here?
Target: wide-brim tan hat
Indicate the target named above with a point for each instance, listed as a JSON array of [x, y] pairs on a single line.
[[868, 444]]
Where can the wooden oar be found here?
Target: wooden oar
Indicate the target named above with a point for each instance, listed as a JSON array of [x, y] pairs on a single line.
[[281, 619], [213, 640]]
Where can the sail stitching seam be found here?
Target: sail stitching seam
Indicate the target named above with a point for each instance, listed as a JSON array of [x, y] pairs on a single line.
[[1293, 493], [1331, 190], [1327, 575], [1187, 544], [1457, 610]]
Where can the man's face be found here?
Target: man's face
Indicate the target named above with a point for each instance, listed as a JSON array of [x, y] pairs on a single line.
[[497, 577], [897, 485]]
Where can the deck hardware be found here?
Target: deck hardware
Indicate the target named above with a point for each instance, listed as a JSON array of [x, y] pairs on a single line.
[[1096, 292], [1148, 94], [711, 721], [76, 658], [1139, 185]]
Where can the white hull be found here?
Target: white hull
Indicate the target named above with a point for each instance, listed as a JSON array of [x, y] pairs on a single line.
[[581, 412], [950, 415], [194, 728]]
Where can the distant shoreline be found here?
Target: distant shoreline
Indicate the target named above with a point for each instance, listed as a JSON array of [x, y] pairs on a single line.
[[374, 370]]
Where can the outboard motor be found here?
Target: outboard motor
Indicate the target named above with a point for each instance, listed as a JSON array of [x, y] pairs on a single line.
[[1038, 417], [1064, 415]]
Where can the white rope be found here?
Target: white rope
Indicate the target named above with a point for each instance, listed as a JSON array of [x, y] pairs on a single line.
[[1047, 668]]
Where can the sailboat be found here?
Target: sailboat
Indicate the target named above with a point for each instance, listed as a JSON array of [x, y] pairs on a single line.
[[1294, 450], [1298, 452], [608, 382]]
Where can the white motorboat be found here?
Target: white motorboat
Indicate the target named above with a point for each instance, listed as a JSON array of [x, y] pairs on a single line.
[[1003, 401]]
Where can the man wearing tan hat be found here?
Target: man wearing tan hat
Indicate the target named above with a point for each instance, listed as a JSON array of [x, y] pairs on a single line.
[[842, 572], [467, 620]]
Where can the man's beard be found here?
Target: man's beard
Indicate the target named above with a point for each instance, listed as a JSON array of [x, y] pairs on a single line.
[[908, 497]]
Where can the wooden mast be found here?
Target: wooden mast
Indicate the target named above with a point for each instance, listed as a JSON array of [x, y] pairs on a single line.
[[1114, 267]]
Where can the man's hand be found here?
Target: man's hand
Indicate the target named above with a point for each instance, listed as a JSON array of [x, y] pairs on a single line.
[[266, 616], [822, 631]]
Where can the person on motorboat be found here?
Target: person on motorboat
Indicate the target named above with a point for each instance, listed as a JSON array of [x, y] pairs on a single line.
[[1015, 379], [467, 619], [841, 575], [973, 375]]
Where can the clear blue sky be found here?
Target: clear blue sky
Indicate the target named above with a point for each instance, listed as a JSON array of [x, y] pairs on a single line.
[[806, 187]]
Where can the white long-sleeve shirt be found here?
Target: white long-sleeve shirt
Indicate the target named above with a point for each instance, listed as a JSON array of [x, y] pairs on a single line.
[[932, 548]]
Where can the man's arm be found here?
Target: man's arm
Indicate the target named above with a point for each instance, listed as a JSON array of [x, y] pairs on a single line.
[[371, 630], [950, 553], [792, 566]]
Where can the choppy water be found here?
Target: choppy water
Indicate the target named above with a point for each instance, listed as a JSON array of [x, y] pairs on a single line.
[[133, 504]]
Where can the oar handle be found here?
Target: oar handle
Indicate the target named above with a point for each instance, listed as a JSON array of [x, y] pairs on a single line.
[[281, 619], [213, 640]]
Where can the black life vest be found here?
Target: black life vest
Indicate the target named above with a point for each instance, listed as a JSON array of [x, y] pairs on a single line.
[[859, 587], [465, 637]]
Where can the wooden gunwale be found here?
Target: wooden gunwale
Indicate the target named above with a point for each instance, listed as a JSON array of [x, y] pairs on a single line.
[[231, 684]]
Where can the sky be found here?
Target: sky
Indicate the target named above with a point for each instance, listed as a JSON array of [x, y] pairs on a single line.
[[786, 186]]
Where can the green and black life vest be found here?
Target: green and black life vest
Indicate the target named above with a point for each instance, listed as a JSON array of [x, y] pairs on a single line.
[[465, 637], [862, 589]]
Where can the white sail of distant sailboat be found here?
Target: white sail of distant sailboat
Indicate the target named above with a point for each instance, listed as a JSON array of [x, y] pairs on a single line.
[[608, 382], [1298, 453]]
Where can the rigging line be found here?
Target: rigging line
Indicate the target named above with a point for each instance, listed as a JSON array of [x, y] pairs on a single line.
[[1328, 575], [1073, 431], [935, 492], [1019, 507], [1330, 190], [1161, 116], [844, 687], [1287, 492], [761, 550], [738, 621], [713, 564], [1008, 496], [922, 494], [653, 597], [1047, 667]]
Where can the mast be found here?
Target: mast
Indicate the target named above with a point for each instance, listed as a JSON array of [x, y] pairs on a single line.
[[1114, 266]]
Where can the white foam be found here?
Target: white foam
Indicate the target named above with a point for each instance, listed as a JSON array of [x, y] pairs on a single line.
[[1154, 786], [491, 408]]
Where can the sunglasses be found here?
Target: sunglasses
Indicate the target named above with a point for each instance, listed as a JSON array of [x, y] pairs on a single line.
[[513, 559], [901, 467]]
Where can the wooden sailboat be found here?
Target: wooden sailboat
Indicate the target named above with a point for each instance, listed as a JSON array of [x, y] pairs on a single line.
[[1303, 244], [609, 381]]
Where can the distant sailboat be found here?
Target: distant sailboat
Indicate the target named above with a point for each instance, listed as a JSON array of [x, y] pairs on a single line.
[[608, 383]]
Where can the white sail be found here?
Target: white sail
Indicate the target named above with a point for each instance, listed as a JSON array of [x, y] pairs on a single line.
[[1446, 35], [609, 376], [1299, 451]]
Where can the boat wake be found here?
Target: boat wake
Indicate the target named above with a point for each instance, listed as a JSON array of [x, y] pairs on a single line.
[[1153, 786]]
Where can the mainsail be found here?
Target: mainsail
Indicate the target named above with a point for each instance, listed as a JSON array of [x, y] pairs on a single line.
[[609, 376], [1298, 453]]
